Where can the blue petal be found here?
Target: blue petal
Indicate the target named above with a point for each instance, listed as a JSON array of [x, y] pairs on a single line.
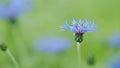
[[74, 22], [73, 29], [65, 26]]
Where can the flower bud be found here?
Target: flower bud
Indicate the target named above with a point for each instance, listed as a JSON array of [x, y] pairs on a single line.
[[3, 47]]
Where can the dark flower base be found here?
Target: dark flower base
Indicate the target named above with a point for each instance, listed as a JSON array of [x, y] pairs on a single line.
[[13, 20], [79, 37]]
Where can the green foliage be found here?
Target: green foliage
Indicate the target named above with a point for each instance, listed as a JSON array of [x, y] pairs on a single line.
[[45, 18]]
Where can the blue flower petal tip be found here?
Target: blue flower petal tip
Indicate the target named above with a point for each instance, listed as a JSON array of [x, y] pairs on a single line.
[[65, 26]]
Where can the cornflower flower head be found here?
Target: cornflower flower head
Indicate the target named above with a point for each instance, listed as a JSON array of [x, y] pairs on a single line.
[[13, 9], [52, 44], [80, 27]]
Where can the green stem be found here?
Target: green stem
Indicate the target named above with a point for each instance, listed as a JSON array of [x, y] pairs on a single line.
[[78, 53], [12, 58]]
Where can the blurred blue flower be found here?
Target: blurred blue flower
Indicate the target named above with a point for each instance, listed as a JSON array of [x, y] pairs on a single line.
[[52, 44], [114, 40], [14, 8], [80, 26], [114, 62]]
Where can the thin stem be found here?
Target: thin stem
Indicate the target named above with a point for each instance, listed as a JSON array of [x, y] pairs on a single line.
[[78, 53], [12, 58]]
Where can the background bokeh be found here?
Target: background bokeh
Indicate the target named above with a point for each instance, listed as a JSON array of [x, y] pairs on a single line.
[[46, 17]]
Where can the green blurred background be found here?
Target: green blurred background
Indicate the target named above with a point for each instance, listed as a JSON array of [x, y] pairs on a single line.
[[46, 17]]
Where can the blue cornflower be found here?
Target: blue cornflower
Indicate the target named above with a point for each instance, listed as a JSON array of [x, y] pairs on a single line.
[[114, 40], [114, 62], [78, 28], [14, 8], [52, 44]]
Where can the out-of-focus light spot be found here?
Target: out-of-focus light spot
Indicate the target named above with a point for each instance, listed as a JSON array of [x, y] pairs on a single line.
[[114, 40], [114, 62], [14, 8], [52, 44]]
